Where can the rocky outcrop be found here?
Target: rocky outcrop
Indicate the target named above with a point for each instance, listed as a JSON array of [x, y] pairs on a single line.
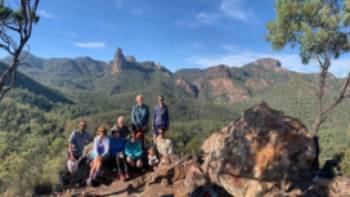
[[130, 59], [225, 89], [219, 71], [262, 153], [339, 186], [261, 150], [189, 88], [268, 62], [217, 85], [119, 62], [256, 84], [179, 178]]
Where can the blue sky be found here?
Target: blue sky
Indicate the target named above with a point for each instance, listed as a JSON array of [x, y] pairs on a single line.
[[178, 34]]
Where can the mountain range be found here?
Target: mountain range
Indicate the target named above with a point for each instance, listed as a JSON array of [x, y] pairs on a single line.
[[123, 74], [51, 95]]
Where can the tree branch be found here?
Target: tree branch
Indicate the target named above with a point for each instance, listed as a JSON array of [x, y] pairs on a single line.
[[5, 89], [340, 97], [22, 27], [324, 66]]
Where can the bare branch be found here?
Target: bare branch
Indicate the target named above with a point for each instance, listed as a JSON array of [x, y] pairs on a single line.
[[21, 27], [13, 28], [340, 97]]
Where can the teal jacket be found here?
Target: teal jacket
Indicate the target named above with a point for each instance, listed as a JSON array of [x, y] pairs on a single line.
[[133, 150], [140, 116]]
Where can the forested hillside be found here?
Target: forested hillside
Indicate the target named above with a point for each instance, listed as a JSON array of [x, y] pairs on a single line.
[[37, 117]]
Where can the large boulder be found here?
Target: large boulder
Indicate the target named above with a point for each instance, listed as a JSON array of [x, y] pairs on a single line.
[[260, 150], [338, 186]]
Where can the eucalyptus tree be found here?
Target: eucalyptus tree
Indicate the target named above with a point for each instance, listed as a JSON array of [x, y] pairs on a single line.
[[319, 29], [16, 24]]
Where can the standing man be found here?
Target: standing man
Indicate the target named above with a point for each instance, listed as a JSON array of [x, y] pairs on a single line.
[[139, 118], [77, 141], [160, 118]]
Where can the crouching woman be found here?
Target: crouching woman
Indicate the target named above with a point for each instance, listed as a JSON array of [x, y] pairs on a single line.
[[134, 151], [99, 153], [117, 147]]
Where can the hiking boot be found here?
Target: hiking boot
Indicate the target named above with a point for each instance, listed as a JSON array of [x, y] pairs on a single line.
[[127, 176], [88, 181], [122, 177]]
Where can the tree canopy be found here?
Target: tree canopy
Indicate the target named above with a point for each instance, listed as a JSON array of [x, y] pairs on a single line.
[[318, 27]]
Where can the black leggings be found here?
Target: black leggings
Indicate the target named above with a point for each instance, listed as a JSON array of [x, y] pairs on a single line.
[[121, 161]]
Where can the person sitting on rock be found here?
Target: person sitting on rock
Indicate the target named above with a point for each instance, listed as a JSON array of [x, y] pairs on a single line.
[[160, 118], [121, 127], [152, 157], [117, 147], [134, 151], [164, 147], [78, 139], [99, 153], [77, 142]]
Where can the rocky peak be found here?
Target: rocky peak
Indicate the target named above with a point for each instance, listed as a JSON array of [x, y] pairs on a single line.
[[268, 62], [119, 62], [219, 71], [158, 65], [130, 58]]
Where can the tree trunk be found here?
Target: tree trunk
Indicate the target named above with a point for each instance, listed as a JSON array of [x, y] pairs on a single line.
[[316, 163]]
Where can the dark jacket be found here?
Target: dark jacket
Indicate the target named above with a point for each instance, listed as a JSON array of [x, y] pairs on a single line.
[[117, 145], [140, 116], [124, 131], [160, 117]]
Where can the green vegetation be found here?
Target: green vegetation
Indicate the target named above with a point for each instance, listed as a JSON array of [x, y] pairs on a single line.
[[34, 125]]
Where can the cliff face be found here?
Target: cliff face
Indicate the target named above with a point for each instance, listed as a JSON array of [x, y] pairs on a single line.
[[189, 88], [119, 62]]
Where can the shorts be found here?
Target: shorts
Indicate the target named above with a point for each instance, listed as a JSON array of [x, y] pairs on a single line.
[[94, 155]]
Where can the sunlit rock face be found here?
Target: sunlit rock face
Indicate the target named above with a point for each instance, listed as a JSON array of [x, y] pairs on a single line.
[[259, 149], [119, 62]]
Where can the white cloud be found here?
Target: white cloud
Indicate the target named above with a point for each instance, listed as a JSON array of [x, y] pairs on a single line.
[[340, 67], [119, 3], [189, 23], [45, 14], [134, 11], [229, 47], [235, 10], [89, 45], [207, 18], [189, 48], [227, 9]]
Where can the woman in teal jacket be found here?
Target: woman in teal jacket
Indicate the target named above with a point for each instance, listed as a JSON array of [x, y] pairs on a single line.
[[134, 151]]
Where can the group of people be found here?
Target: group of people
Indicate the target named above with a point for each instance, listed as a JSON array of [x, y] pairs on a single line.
[[124, 146]]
